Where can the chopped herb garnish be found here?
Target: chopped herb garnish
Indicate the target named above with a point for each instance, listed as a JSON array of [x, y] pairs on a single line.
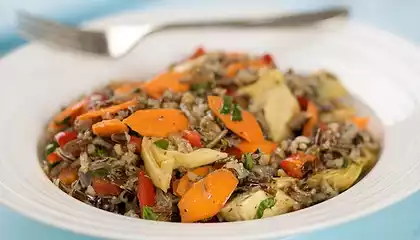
[[200, 87], [53, 164], [162, 143], [100, 152], [50, 148], [101, 172], [65, 122], [264, 204], [148, 214], [137, 90], [225, 143], [227, 105], [346, 161], [236, 113], [248, 161]]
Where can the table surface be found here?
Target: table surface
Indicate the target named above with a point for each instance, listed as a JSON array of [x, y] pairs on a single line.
[[400, 221]]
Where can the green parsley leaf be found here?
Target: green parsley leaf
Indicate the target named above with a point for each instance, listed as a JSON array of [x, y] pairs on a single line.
[[65, 122], [162, 143], [50, 148], [101, 172], [236, 113], [200, 87], [149, 214], [100, 152], [264, 204], [248, 161], [346, 161], [227, 105]]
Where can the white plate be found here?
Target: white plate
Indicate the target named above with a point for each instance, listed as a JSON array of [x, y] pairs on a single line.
[[381, 70]]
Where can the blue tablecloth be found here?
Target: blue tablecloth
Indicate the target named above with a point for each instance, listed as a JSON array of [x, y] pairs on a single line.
[[400, 221]]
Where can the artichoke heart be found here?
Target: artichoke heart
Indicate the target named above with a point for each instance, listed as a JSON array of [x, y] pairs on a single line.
[[244, 206], [339, 179], [344, 178], [160, 163], [329, 86], [271, 94]]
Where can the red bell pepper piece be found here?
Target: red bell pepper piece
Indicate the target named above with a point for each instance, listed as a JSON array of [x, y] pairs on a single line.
[[198, 52], [294, 165], [233, 151], [53, 158], [145, 191], [193, 138], [136, 141], [64, 137], [230, 91], [104, 187], [267, 59], [303, 103]]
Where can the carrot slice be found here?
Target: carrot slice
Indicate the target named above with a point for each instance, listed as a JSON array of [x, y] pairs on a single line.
[[233, 68], [68, 175], [71, 112], [128, 88], [208, 196], [106, 128], [360, 122], [185, 183], [248, 128], [175, 184], [294, 165], [111, 109], [265, 146], [157, 122], [166, 81], [312, 110]]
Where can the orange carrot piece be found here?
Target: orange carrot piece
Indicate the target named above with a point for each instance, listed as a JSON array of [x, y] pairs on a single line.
[[128, 88], [71, 112], [208, 196], [265, 146], [68, 175], [294, 165], [248, 128], [166, 81], [111, 109], [157, 122], [175, 184], [233, 68], [360, 122], [106, 128], [185, 183], [312, 110]]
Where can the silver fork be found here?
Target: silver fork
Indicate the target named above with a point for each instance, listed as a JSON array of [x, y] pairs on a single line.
[[117, 41]]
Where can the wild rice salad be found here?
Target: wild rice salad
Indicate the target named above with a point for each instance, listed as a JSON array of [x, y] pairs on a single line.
[[220, 136]]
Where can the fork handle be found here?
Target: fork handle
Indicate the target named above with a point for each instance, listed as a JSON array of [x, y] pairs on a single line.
[[283, 21]]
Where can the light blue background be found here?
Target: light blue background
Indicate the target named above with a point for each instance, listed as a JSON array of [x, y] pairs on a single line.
[[400, 221]]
